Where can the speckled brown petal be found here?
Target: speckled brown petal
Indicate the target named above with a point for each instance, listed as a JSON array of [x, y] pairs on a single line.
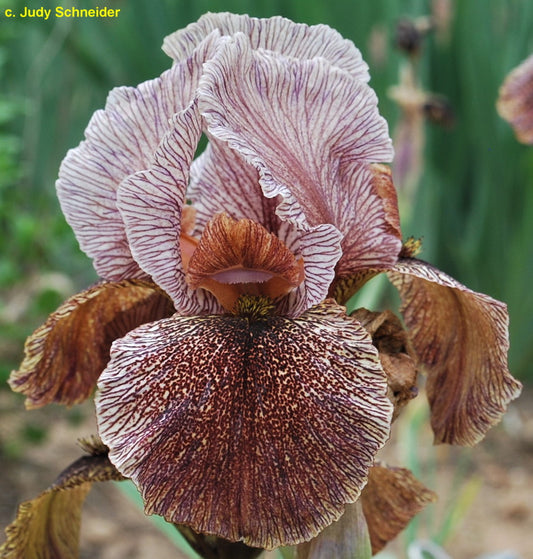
[[347, 538], [515, 102], [48, 526], [461, 338], [65, 356], [344, 287], [390, 499], [259, 431], [276, 34]]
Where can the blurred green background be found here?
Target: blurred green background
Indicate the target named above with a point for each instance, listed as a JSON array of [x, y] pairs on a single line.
[[474, 203]]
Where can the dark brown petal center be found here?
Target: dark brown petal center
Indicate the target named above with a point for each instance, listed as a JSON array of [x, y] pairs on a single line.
[[254, 430]]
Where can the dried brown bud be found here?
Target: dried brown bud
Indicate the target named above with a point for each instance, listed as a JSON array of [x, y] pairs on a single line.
[[410, 34], [438, 110], [397, 357], [213, 547]]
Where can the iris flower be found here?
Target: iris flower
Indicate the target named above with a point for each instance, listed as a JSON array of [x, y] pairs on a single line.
[[232, 387], [515, 100]]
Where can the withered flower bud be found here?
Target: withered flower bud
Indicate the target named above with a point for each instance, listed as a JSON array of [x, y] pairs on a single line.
[[396, 355], [438, 110], [213, 547], [410, 34]]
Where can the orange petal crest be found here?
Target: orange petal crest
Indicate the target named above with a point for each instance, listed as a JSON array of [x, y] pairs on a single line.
[[236, 257]]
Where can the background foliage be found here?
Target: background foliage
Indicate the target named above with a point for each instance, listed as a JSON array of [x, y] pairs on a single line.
[[474, 206]]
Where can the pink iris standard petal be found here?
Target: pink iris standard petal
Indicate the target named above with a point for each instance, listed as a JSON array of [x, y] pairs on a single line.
[[368, 217], [295, 121], [320, 249], [277, 34], [255, 430], [462, 339], [121, 140], [151, 204], [222, 181]]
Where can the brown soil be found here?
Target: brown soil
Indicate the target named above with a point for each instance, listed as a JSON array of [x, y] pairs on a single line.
[[494, 482]]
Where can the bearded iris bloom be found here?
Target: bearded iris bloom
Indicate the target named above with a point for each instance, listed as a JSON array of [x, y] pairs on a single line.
[[232, 387]]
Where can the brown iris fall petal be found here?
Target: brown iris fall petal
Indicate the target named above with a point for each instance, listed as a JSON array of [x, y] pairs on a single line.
[[391, 498], [48, 526], [236, 257], [344, 287], [252, 430], [461, 338], [65, 356]]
